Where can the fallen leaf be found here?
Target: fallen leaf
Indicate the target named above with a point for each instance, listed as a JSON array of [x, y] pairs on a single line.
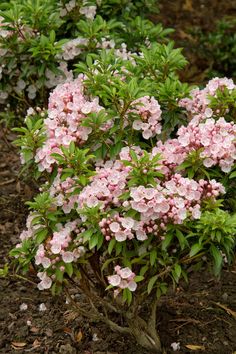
[[195, 347], [70, 316], [229, 311], [188, 6], [67, 330], [34, 329], [79, 336], [18, 345], [36, 343], [49, 332], [18, 187]]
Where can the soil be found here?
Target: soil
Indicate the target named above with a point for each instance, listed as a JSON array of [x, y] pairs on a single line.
[[185, 16], [198, 318]]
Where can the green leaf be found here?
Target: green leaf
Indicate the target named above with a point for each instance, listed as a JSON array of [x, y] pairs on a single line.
[[143, 270], [86, 235], [127, 296], [151, 283], [41, 235], [176, 272], [166, 242], [153, 256], [138, 278], [118, 248], [218, 260], [195, 249], [100, 240], [51, 216], [107, 262], [182, 240], [59, 275], [232, 175], [111, 245], [93, 241], [69, 268]]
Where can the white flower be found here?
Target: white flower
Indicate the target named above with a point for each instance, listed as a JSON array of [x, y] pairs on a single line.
[[137, 125], [141, 235], [132, 286], [125, 273], [114, 280], [68, 257], [120, 236], [175, 346], [23, 307], [42, 307], [127, 223], [114, 226]]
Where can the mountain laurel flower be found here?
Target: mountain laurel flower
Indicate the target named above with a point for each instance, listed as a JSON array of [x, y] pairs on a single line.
[[149, 111], [46, 281], [124, 278], [67, 109]]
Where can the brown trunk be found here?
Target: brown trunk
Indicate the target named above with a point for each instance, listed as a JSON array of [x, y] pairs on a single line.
[[145, 334]]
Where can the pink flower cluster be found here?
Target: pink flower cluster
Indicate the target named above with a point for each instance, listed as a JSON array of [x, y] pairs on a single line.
[[30, 228], [124, 278], [172, 155], [60, 247], [62, 191], [149, 112], [73, 48], [60, 241], [216, 139], [125, 152], [88, 11], [106, 186], [67, 109], [118, 227], [199, 101], [123, 228], [173, 201]]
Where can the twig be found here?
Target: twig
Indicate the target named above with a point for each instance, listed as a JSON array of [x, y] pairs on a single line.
[[98, 316], [7, 182], [22, 278]]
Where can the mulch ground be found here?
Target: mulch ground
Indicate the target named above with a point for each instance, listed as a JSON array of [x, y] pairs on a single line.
[[198, 318], [185, 16]]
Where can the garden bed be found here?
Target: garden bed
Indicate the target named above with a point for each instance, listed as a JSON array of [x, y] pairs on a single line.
[[202, 313], [194, 318]]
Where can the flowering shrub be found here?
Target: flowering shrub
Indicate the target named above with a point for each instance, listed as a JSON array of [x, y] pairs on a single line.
[[135, 163], [41, 40]]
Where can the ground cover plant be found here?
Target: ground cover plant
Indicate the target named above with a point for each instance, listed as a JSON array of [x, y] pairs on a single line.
[[137, 177]]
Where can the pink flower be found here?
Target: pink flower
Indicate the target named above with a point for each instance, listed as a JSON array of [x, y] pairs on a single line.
[[120, 236], [125, 273], [68, 257], [132, 286], [115, 227], [46, 282], [114, 280], [149, 112], [123, 279], [127, 223]]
